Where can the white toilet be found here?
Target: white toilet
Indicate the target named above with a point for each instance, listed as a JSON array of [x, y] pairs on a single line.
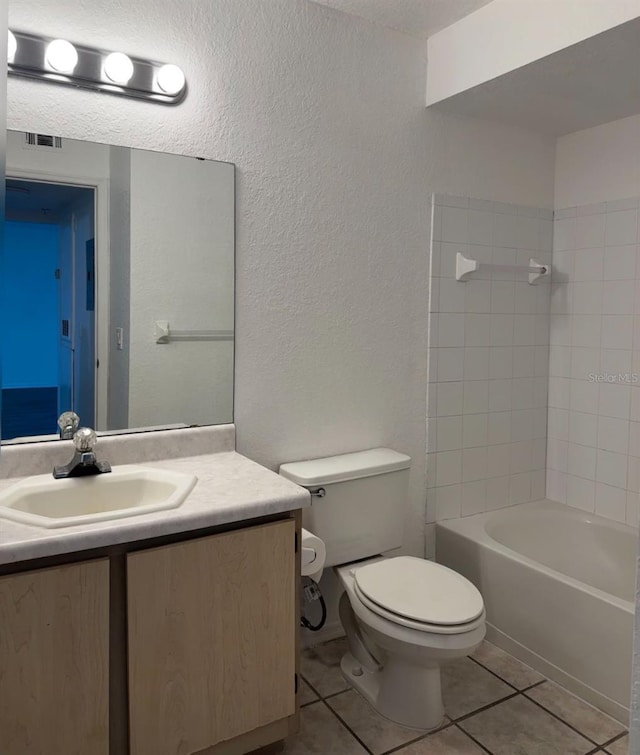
[[403, 616]]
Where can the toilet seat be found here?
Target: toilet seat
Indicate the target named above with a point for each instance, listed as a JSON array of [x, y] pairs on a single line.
[[419, 594]]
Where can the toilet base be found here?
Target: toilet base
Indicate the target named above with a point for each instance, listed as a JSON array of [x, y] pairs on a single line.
[[402, 692]]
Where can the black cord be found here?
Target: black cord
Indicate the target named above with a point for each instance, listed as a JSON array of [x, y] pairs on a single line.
[[316, 627], [323, 619]]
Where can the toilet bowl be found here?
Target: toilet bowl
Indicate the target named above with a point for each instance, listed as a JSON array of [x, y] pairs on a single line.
[[403, 618]]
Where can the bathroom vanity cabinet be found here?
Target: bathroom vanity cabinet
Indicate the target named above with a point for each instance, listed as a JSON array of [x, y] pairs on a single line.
[[211, 638], [187, 646], [54, 660]]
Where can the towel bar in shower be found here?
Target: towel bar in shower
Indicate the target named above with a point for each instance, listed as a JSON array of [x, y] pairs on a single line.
[[465, 267]]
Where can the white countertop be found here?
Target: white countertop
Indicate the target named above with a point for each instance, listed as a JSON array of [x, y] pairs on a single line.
[[230, 488]]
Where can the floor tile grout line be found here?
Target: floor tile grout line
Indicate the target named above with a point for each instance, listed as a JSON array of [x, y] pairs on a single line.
[[482, 708], [613, 740], [566, 723], [494, 673], [597, 747], [422, 737], [347, 727], [533, 686], [454, 722], [473, 739], [308, 683], [336, 694], [317, 692], [450, 723]]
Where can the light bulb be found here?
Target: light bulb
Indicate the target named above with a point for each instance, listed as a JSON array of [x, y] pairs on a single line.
[[170, 79], [61, 55], [118, 68], [12, 46]]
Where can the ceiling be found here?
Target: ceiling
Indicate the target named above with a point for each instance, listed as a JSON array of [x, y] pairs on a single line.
[[585, 85], [421, 18], [581, 86]]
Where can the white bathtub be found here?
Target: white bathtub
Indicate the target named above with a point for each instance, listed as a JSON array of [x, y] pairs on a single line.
[[559, 589]]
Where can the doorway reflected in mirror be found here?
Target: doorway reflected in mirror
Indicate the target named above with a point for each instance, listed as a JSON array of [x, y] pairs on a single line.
[[47, 296]]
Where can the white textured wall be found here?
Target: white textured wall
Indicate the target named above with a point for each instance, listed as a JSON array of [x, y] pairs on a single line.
[[599, 164], [324, 116]]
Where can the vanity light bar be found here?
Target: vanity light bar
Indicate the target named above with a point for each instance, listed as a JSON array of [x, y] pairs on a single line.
[[58, 61]]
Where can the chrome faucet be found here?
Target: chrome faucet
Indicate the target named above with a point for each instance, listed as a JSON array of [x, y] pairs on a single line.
[[68, 422], [84, 460]]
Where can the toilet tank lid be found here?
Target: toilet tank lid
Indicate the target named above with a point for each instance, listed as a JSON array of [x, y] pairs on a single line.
[[345, 467]]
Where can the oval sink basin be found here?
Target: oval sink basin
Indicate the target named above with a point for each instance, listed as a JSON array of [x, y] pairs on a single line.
[[126, 491]]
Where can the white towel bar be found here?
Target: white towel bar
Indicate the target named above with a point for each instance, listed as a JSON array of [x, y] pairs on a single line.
[[465, 267], [164, 334]]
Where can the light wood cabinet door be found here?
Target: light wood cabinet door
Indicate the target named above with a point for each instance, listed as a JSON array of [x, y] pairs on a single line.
[[54, 661], [212, 637]]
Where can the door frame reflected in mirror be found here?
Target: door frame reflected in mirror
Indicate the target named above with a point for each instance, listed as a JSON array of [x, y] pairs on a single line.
[[100, 189]]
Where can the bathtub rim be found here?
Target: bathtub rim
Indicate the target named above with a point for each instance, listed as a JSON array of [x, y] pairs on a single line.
[[471, 528], [472, 534]]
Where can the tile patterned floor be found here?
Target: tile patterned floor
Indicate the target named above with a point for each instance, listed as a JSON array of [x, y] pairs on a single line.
[[495, 704]]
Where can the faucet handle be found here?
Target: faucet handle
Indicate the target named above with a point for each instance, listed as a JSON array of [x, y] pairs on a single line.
[[85, 439], [68, 422]]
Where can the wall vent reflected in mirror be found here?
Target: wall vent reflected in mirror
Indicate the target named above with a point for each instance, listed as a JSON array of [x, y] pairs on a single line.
[[106, 241], [41, 141]]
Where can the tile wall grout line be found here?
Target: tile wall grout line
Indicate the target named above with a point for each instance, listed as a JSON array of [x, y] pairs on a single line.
[[347, 727], [566, 723]]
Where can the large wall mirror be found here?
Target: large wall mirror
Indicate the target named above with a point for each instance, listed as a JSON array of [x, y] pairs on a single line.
[[117, 288]]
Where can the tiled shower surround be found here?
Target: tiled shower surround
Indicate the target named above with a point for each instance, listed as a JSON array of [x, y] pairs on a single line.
[[594, 365], [488, 358]]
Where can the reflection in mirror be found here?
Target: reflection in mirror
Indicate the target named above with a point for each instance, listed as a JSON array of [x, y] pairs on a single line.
[[117, 283]]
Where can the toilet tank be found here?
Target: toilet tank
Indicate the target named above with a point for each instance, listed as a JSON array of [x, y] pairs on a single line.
[[362, 511]]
